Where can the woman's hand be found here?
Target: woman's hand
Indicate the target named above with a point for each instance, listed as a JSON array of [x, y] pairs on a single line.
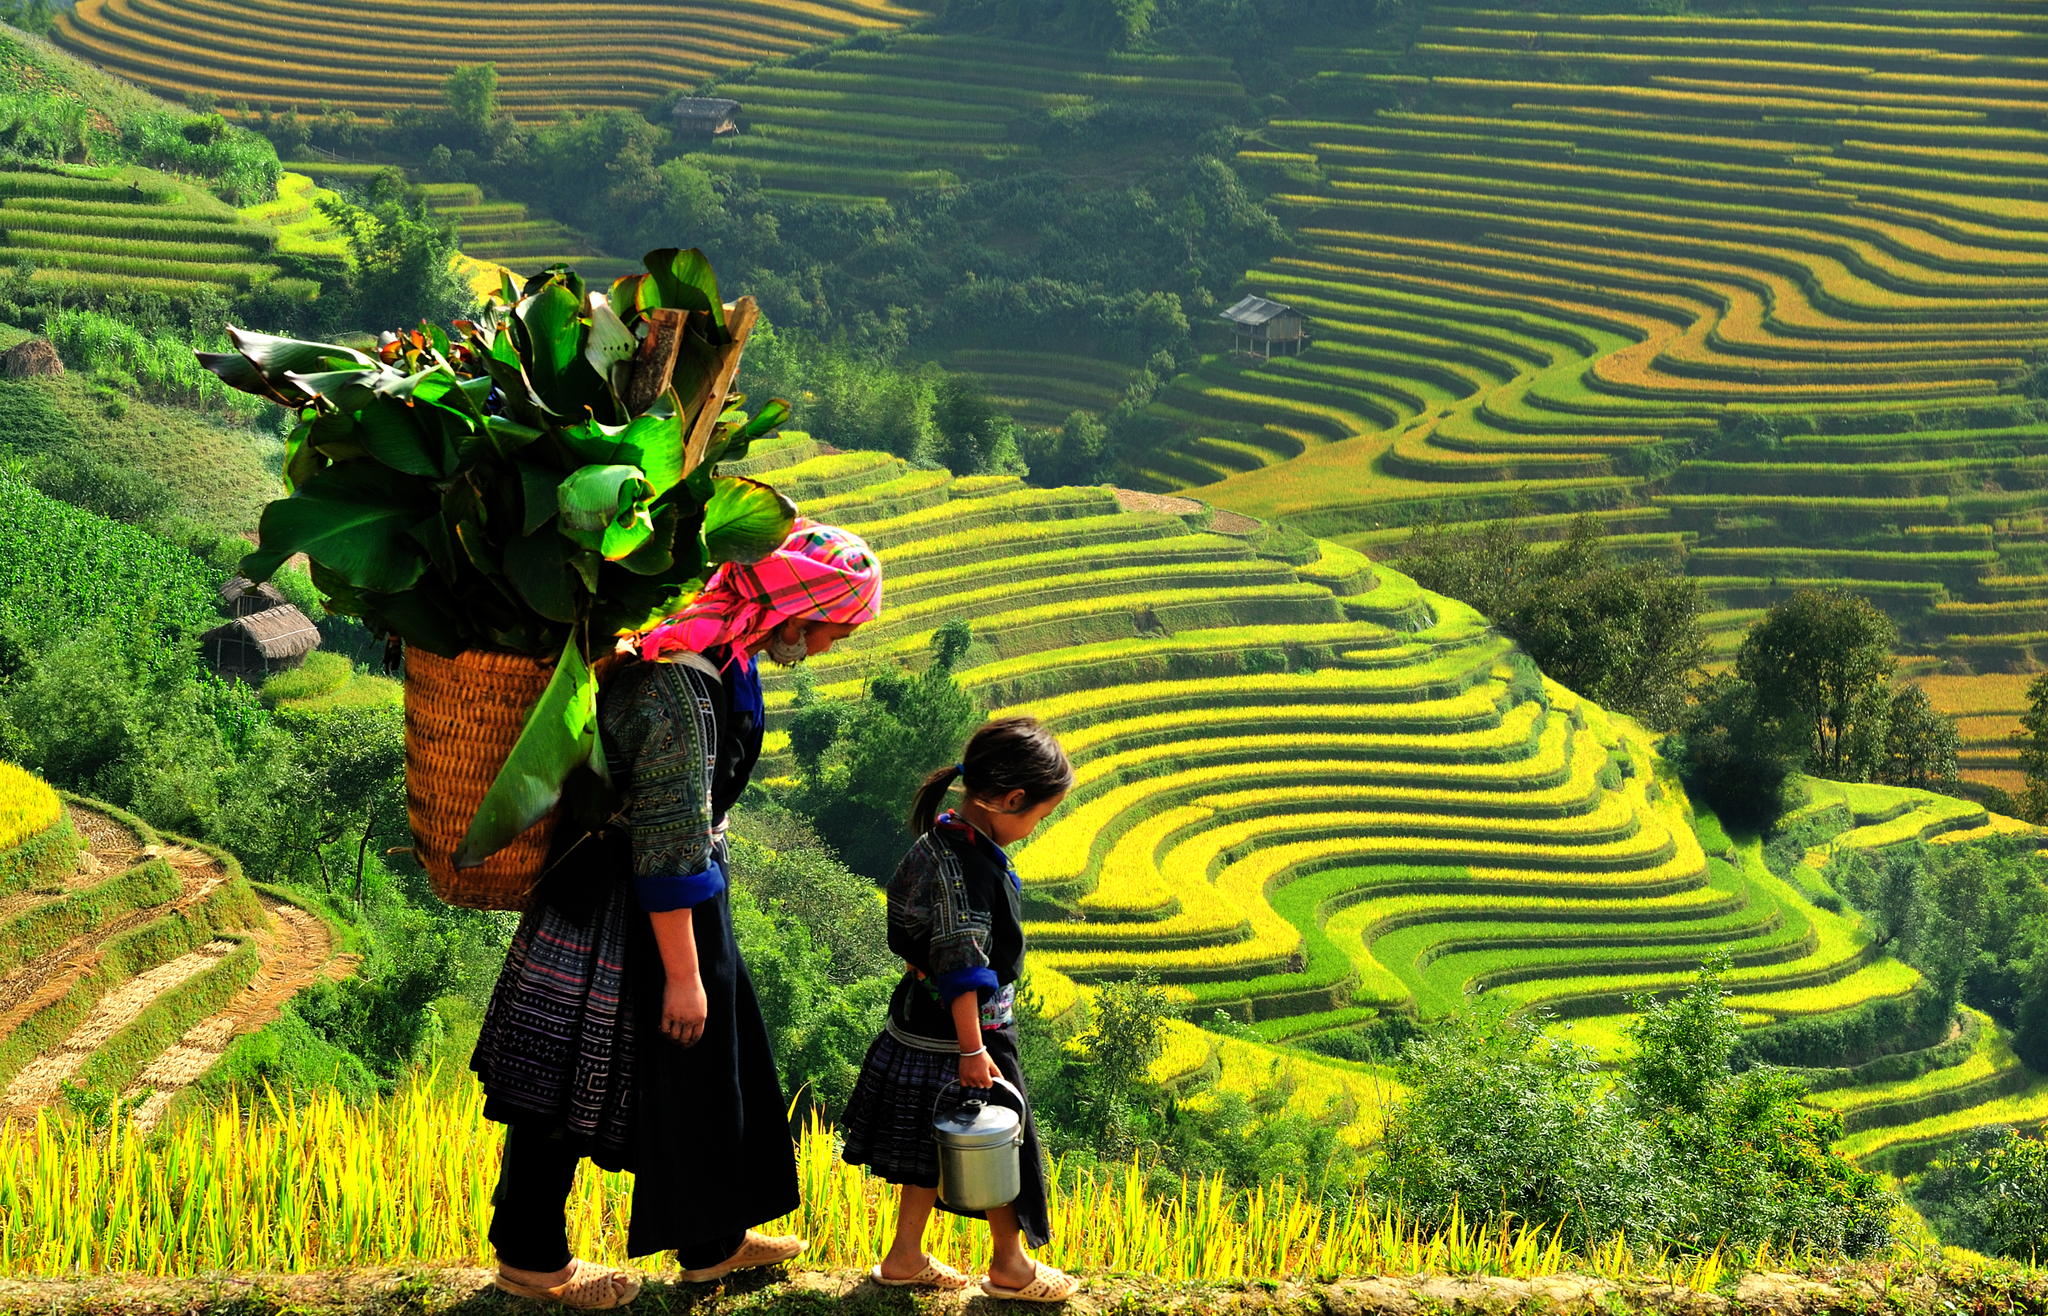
[[978, 1071], [684, 1009]]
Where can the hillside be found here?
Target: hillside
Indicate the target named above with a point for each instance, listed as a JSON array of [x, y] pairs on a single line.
[[550, 57], [131, 960], [1758, 289], [122, 229], [1312, 793]]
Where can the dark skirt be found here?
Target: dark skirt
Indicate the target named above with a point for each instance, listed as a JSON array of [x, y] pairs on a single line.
[[888, 1121], [572, 1043]]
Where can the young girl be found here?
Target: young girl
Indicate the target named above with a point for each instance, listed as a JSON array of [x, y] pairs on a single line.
[[955, 918]]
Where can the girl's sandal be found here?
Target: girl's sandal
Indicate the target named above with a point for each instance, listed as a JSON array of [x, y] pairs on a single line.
[[1047, 1285], [588, 1288], [757, 1250], [935, 1275]]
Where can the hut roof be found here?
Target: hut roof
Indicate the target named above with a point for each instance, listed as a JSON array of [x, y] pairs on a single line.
[[713, 109], [280, 632], [239, 588], [1256, 310]]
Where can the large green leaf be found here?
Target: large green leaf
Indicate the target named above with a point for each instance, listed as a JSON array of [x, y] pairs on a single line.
[[606, 508], [653, 442], [554, 361], [355, 519], [560, 734], [260, 363], [686, 282], [538, 567], [745, 520]]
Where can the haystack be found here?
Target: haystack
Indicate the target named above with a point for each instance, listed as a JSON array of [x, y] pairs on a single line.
[[33, 357]]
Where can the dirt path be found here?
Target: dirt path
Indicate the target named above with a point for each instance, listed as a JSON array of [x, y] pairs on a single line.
[[294, 950], [40, 1080], [37, 983], [1221, 520]]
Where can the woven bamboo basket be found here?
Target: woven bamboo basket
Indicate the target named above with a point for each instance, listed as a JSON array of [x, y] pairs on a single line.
[[462, 717]]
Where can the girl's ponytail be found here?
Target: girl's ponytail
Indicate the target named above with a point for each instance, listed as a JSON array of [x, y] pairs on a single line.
[[1007, 754], [924, 810]]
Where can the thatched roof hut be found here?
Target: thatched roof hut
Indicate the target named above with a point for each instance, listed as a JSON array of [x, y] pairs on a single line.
[[262, 643], [35, 356], [706, 116], [242, 598]]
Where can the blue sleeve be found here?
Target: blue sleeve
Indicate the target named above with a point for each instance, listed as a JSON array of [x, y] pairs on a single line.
[[658, 895], [981, 980]]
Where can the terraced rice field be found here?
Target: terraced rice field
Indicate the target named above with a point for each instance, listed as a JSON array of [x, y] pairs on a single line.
[[130, 961], [551, 57], [865, 125], [1987, 712], [90, 231], [1309, 794], [504, 233], [1565, 257]]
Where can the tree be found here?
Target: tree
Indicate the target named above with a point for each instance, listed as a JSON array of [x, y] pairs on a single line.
[[471, 94], [1921, 743], [1990, 1193], [1627, 636], [861, 763], [1733, 757], [2032, 742], [404, 256], [1822, 660]]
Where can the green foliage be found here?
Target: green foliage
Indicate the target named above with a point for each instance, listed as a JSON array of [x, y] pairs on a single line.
[[858, 400], [1990, 1194], [1972, 918], [62, 569], [1821, 661], [1096, 1104], [400, 268], [861, 760], [161, 365], [810, 929], [1684, 1153], [471, 94], [1626, 636], [60, 109], [1921, 744], [2032, 742]]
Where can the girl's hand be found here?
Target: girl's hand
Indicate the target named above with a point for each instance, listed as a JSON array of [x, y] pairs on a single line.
[[684, 1009], [978, 1071]]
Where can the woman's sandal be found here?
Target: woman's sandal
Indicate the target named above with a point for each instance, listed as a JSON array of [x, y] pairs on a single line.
[[1047, 1285], [935, 1275], [588, 1288], [757, 1250]]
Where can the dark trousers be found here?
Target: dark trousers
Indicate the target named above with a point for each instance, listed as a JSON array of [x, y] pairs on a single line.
[[529, 1219]]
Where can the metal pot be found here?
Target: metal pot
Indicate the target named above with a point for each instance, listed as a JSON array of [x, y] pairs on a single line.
[[980, 1152]]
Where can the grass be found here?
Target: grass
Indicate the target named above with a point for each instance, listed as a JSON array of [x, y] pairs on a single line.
[[271, 1184]]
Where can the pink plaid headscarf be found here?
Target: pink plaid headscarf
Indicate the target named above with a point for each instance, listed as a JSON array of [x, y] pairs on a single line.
[[820, 573]]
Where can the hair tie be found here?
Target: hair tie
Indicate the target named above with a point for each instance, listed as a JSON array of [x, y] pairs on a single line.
[[960, 769]]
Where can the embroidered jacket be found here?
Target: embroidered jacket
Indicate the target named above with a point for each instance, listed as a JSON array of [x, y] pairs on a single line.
[[662, 723], [956, 918]]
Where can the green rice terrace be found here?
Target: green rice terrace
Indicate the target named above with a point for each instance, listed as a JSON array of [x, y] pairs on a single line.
[[1310, 792], [866, 125], [1755, 288], [551, 57], [91, 230], [131, 960]]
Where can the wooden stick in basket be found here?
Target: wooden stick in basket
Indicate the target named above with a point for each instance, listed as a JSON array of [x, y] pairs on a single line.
[[739, 319]]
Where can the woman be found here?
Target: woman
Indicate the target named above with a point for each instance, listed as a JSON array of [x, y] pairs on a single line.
[[624, 1027]]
